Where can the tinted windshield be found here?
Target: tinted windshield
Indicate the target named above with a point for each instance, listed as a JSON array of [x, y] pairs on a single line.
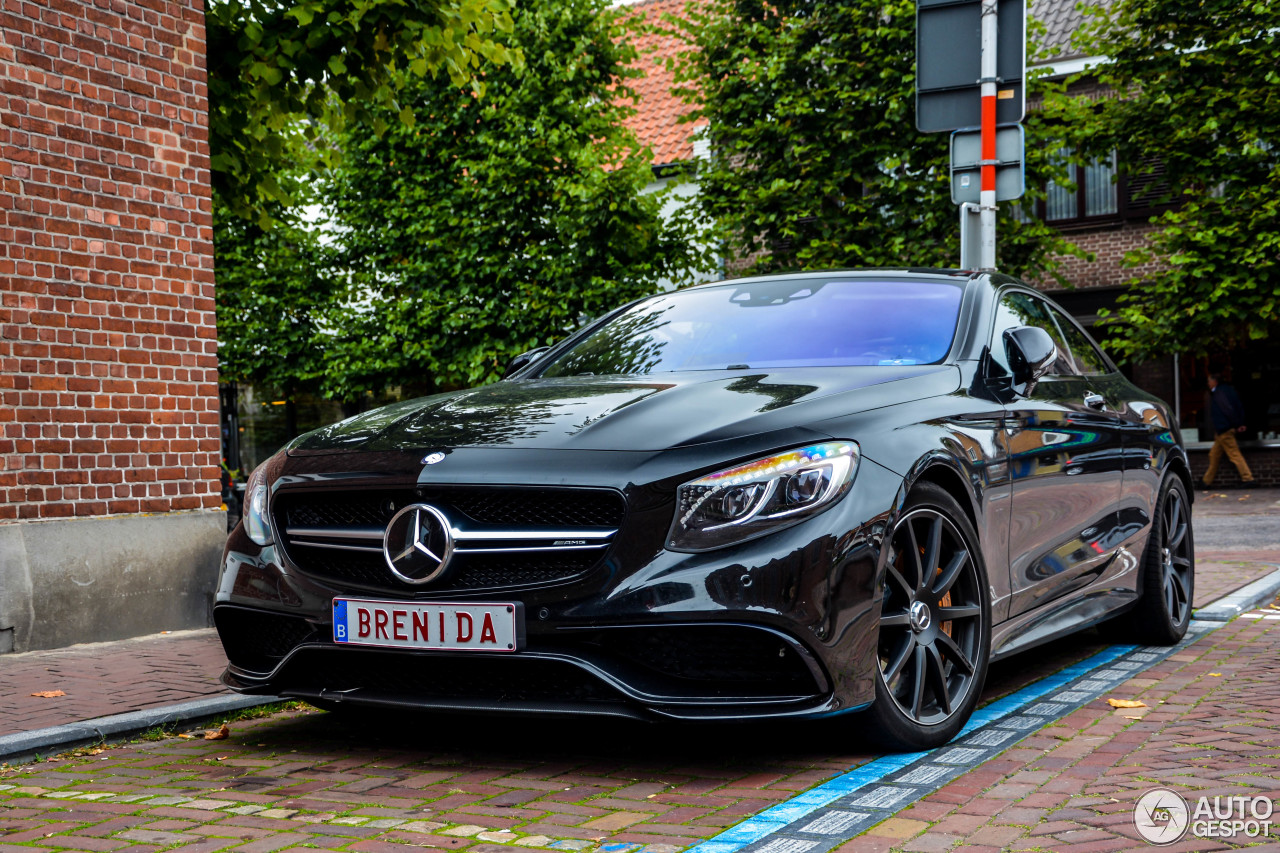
[[778, 323]]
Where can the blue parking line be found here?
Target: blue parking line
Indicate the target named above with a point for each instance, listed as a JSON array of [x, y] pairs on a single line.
[[776, 817]]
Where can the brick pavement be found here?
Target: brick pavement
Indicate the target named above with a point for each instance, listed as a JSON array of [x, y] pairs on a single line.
[[101, 679], [305, 778], [1211, 728]]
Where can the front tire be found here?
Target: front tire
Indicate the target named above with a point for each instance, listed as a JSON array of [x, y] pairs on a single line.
[[935, 624]]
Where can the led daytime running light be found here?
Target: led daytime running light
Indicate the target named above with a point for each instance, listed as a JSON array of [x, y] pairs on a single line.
[[760, 496]]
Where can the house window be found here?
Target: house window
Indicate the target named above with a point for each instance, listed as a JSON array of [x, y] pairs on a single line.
[[1094, 194], [1091, 193]]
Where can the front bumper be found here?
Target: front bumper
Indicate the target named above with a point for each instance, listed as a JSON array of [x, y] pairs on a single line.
[[779, 627]]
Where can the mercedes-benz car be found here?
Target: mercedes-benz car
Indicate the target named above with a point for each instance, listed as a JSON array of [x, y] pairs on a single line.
[[790, 496]]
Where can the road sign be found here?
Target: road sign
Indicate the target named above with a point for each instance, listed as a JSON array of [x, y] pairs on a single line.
[[966, 164], [949, 64]]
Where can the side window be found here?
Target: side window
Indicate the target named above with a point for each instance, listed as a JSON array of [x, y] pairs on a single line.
[[1084, 355], [1023, 309]]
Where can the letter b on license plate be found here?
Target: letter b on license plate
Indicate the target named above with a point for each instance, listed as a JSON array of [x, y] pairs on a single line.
[[465, 626]]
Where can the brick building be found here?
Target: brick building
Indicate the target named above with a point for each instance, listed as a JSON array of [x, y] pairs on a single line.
[[1106, 213], [110, 518]]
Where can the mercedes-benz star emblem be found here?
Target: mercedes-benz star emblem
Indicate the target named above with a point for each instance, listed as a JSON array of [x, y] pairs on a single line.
[[433, 458], [418, 544]]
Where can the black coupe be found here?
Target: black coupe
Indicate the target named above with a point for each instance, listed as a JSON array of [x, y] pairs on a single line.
[[787, 496]]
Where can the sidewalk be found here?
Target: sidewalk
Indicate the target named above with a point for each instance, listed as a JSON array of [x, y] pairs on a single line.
[[1238, 541], [104, 679], [1209, 728]]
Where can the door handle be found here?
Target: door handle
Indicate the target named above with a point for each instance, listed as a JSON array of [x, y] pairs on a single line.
[[1094, 401]]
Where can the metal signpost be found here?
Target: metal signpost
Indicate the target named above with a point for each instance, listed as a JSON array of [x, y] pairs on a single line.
[[949, 96]]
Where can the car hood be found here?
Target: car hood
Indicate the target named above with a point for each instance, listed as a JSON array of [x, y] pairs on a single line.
[[627, 413]]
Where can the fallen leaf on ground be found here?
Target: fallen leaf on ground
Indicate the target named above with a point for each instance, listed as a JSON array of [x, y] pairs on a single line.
[[1129, 717], [50, 694], [220, 734], [1216, 674], [185, 736], [1126, 703]]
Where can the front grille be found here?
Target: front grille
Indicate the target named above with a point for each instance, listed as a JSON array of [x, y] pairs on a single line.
[[337, 535], [476, 571], [518, 507], [336, 512], [594, 508], [425, 677], [255, 640]]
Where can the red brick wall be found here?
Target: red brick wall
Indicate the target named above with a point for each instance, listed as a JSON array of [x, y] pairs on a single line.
[[1109, 245], [108, 368]]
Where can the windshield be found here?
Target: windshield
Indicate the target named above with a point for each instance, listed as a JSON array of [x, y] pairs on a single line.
[[776, 323]]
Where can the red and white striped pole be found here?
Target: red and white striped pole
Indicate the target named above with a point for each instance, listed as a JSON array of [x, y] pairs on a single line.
[[987, 197]]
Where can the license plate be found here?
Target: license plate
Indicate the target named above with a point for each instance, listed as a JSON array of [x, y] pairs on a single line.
[[453, 625]]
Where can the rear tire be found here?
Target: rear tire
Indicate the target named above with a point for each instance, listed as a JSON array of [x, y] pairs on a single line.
[[935, 625], [1168, 571]]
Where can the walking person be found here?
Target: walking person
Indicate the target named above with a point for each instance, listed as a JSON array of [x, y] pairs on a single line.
[[1227, 413]]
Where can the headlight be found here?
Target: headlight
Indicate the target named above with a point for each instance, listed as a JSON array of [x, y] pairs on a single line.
[[256, 522], [762, 496]]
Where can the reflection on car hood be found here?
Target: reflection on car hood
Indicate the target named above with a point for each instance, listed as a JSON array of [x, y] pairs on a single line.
[[627, 413]]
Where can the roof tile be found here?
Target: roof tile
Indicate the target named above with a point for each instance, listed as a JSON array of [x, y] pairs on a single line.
[[657, 119]]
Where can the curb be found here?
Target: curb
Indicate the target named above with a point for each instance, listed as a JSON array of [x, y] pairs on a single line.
[[1246, 598], [16, 748]]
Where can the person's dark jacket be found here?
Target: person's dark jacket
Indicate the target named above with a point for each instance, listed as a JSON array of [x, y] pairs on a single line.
[[1225, 408]]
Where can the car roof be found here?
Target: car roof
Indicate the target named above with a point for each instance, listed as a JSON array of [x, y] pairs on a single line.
[[879, 273]]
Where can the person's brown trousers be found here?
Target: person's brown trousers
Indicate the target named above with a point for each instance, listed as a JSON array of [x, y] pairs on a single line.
[[1226, 443]]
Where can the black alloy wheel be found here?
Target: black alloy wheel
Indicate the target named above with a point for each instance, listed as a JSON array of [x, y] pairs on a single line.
[[934, 625], [1168, 580]]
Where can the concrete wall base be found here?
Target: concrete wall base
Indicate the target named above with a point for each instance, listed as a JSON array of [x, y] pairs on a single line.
[[86, 580]]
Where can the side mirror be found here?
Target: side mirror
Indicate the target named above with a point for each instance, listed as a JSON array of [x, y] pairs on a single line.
[[1031, 353], [523, 360]]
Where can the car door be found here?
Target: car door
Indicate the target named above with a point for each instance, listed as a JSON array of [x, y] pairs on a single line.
[[1140, 427], [1065, 466]]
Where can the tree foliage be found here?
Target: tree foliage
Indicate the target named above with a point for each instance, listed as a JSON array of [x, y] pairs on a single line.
[[278, 69], [816, 161], [488, 226], [1194, 91], [275, 289]]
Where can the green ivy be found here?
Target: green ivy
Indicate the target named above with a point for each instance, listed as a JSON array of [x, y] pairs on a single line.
[[279, 68], [1195, 87], [815, 160], [275, 287], [484, 227]]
